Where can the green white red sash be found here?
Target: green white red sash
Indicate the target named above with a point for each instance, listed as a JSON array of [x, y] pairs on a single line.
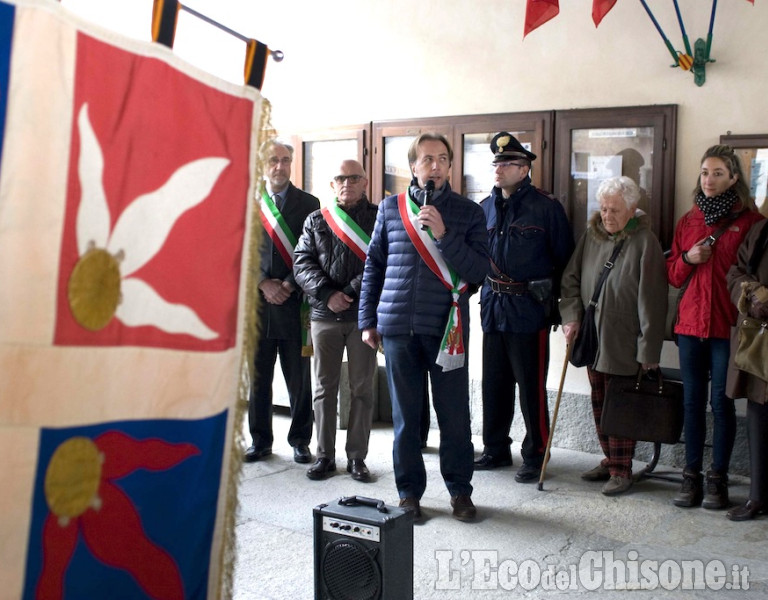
[[285, 243], [345, 228], [451, 355], [277, 229]]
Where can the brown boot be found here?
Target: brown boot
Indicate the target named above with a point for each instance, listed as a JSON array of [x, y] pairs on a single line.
[[692, 490], [716, 496], [463, 508]]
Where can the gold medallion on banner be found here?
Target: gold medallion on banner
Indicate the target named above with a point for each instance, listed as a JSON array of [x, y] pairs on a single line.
[[72, 478], [94, 289]]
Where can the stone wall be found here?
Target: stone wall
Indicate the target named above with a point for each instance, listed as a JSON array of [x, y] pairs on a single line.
[[574, 429]]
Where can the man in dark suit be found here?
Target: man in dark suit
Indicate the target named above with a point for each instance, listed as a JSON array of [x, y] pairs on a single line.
[[284, 208]]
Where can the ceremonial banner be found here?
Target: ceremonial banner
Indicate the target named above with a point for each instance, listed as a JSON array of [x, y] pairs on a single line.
[[126, 193]]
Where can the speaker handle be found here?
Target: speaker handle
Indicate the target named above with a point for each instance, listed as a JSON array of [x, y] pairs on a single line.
[[354, 500]]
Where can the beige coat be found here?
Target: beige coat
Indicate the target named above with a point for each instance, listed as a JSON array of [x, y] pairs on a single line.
[[741, 384], [632, 306]]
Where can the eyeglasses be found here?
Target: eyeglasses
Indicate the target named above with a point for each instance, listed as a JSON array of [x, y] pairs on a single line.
[[285, 161], [340, 179], [510, 163]]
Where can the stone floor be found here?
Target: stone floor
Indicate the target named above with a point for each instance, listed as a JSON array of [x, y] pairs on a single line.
[[566, 540]]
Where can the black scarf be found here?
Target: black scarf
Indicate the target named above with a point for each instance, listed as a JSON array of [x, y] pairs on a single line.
[[418, 193], [716, 207]]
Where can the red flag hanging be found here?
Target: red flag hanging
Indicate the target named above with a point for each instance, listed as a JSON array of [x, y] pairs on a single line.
[[600, 8], [538, 12]]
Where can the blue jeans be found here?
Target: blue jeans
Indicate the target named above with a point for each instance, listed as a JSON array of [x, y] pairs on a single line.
[[700, 358], [409, 357]]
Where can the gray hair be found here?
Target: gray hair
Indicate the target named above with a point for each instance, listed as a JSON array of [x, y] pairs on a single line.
[[267, 147], [620, 186]]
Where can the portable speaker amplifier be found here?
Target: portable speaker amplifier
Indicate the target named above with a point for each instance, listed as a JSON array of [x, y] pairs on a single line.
[[363, 550]]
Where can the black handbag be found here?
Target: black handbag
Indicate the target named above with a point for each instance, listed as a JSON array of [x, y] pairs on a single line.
[[645, 408], [585, 346], [584, 349]]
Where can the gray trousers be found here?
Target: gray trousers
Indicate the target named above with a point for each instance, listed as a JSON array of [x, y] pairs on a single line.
[[329, 339]]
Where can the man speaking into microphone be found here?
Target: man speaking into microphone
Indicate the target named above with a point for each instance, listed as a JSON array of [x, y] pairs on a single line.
[[423, 260]]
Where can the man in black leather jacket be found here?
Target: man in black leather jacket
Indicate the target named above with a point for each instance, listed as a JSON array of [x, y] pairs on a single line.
[[328, 266]]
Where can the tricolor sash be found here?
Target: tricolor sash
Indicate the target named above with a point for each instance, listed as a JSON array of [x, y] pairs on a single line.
[[285, 243], [345, 228], [451, 355], [277, 229]]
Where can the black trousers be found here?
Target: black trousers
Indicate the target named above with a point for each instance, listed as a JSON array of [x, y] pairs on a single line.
[[757, 432], [522, 360], [296, 370]]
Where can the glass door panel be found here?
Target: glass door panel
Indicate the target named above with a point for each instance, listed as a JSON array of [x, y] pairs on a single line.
[[321, 164], [391, 171], [472, 138], [752, 151], [397, 171], [594, 144], [599, 154], [319, 153], [478, 172]]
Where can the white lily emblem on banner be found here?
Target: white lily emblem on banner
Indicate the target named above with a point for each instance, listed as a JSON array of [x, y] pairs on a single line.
[[101, 286]]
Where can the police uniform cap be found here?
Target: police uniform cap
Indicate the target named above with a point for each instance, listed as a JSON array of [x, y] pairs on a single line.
[[505, 147]]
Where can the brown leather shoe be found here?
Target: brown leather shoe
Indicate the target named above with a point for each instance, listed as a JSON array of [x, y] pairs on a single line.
[[321, 468], [747, 511], [463, 509], [356, 467], [599, 473], [616, 485], [411, 504]]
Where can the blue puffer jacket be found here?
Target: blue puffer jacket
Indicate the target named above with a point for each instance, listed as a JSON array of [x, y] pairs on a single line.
[[400, 295]]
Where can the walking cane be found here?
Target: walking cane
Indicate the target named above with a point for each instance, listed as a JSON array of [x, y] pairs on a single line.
[[554, 417]]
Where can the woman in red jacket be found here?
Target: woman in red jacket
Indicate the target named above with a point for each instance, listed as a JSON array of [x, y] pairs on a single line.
[[705, 244]]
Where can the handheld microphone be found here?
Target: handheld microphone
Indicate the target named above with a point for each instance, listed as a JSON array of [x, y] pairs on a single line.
[[429, 187]]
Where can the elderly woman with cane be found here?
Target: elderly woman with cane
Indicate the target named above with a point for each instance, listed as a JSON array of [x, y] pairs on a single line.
[[619, 250]]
